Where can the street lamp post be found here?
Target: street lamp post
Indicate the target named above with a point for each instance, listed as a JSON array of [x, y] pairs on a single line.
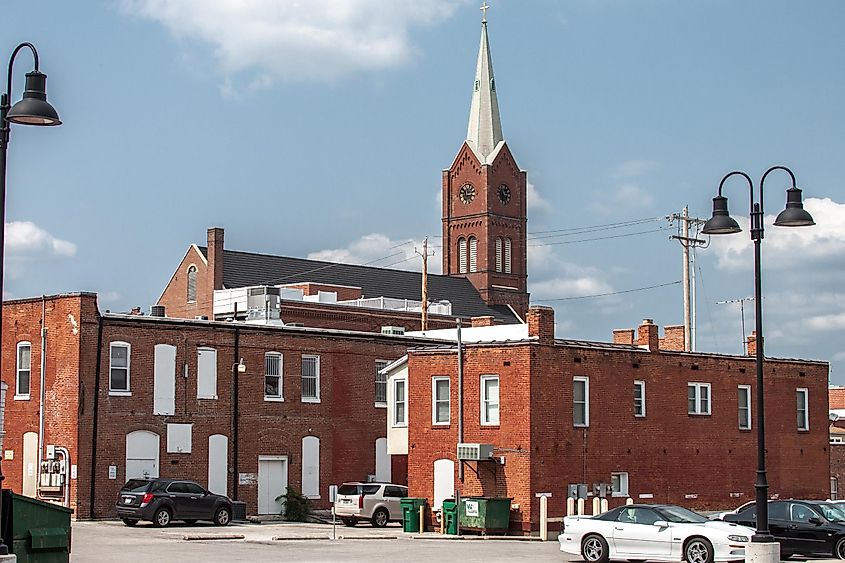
[[721, 223], [33, 109]]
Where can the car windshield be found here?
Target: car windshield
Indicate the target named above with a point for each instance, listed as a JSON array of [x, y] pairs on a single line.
[[833, 512], [135, 486], [681, 515]]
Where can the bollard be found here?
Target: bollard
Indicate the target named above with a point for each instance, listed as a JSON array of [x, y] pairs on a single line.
[[422, 516], [604, 505], [544, 520], [570, 506], [442, 520], [580, 507], [629, 500], [596, 506]]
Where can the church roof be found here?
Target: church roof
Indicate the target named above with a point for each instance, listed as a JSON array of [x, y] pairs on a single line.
[[241, 269], [484, 133]]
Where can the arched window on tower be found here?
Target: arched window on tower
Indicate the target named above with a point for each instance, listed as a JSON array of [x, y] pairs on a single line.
[[192, 284], [473, 254], [462, 255], [498, 254], [507, 255]]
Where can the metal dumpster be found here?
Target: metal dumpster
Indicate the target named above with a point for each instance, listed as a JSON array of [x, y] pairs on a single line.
[[40, 531], [485, 515]]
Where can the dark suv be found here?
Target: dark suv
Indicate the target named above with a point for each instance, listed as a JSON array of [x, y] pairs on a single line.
[[164, 500]]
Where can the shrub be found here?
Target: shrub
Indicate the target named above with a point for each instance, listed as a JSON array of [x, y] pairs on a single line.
[[297, 506]]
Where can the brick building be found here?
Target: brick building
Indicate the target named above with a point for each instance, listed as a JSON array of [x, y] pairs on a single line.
[[656, 425]]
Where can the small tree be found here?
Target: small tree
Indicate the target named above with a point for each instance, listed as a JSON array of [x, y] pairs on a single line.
[[297, 506]]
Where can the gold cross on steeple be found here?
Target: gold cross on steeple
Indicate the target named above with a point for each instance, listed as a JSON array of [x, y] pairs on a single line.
[[484, 8]]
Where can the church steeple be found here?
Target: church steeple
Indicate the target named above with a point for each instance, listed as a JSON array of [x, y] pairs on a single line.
[[484, 132]]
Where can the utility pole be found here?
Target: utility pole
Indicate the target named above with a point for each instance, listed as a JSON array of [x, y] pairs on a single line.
[[741, 302], [424, 307], [687, 242]]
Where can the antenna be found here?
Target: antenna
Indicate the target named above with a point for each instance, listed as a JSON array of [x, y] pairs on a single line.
[[741, 302]]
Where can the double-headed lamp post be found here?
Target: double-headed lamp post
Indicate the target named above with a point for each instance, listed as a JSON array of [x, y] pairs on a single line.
[[721, 223], [33, 109]]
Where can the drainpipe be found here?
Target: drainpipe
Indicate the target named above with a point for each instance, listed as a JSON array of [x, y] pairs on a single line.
[[460, 399], [93, 471], [41, 394], [235, 413]]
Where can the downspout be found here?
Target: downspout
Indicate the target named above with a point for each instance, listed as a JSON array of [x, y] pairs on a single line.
[[41, 393], [93, 475], [235, 413], [460, 399]]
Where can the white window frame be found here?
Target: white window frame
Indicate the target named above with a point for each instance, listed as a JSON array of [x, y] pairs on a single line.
[[623, 484], [316, 397], [747, 389], [803, 391], [400, 398], [280, 398], [121, 392], [434, 381], [485, 400], [200, 350], [639, 383], [192, 269], [380, 379], [698, 386], [18, 395], [586, 381]]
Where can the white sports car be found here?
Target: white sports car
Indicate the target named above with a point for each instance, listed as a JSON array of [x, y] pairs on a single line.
[[638, 532]]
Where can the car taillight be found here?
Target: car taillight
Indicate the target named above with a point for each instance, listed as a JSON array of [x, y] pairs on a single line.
[[360, 501], [148, 497]]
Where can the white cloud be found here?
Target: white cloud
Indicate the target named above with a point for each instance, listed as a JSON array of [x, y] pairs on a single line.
[[27, 240], [380, 251], [296, 39], [534, 201], [635, 168], [626, 197]]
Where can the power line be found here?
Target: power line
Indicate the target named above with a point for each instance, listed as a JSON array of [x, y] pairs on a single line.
[[592, 228], [607, 294], [598, 238]]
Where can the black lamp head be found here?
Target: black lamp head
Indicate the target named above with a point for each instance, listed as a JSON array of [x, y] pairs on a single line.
[[794, 215], [34, 109], [721, 223]]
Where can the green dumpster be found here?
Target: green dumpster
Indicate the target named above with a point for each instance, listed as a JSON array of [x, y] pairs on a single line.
[[485, 515], [411, 513], [450, 517], [40, 530]]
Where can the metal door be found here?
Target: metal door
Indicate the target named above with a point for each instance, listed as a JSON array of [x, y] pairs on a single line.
[[272, 482]]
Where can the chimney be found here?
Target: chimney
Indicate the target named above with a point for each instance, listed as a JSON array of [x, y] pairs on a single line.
[[486, 320], [623, 336], [673, 338], [647, 335], [541, 323], [136, 311], [751, 344], [215, 258]]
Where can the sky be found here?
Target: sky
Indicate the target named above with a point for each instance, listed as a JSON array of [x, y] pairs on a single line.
[[320, 129]]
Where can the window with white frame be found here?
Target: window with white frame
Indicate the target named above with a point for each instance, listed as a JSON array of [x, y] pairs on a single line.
[[498, 254], [381, 382], [744, 406], [698, 398], [507, 255], [619, 484], [273, 376], [206, 373], [580, 401], [23, 370], [192, 284], [440, 400], [473, 254], [310, 378], [462, 255], [119, 362], [490, 399], [803, 418], [400, 400], [639, 398]]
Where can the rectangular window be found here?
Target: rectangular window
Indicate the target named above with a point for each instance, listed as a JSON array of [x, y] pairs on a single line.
[[698, 395], [490, 399], [400, 399], [581, 401], [803, 418], [206, 373], [310, 379], [24, 370], [619, 484], [744, 405], [507, 256], [440, 400], [273, 376], [639, 398], [381, 383], [119, 360]]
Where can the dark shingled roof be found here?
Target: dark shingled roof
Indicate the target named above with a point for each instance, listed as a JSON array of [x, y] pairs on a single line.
[[242, 269]]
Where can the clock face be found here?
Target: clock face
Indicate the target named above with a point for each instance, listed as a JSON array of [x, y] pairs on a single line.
[[467, 193], [504, 194]]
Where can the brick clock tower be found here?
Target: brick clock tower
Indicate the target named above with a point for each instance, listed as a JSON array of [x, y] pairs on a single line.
[[484, 208]]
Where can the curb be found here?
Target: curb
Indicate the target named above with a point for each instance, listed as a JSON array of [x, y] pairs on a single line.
[[202, 537], [305, 538], [448, 537]]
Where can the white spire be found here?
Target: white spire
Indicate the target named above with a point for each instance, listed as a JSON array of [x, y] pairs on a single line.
[[484, 133]]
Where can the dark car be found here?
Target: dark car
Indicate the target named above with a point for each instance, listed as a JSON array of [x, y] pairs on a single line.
[[801, 527], [164, 500]]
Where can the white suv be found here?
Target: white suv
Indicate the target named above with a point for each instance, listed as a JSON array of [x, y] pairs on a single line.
[[376, 502]]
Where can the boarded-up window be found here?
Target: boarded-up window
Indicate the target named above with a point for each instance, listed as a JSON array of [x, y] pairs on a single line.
[[206, 373], [164, 379], [311, 466]]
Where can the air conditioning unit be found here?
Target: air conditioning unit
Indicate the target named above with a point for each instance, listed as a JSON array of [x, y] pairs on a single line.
[[393, 330], [475, 452]]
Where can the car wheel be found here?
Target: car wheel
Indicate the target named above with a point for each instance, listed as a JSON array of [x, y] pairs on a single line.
[[161, 518], [129, 521], [222, 517], [839, 549], [380, 518], [698, 550], [349, 522], [594, 549]]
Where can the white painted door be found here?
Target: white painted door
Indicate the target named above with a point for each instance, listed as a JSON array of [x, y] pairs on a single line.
[[444, 481], [311, 466], [30, 463], [218, 462], [383, 472], [164, 379], [142, 450], [272, 482]]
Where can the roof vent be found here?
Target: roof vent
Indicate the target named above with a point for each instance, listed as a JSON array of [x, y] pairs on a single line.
[[157, 311]]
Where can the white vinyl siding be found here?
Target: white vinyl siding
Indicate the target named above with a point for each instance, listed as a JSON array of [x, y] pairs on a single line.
[[119, 362], [400, 401], [801, 395], [639, 398], [381, 383], [310, 379], [490, 399], [473, 254], [507, 256], [192, 284], [744, 406], [581, 401], [23, 370], [698, 398], [498, 254], [273, 377], [440, 400], [206, 373], [462, 255]]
